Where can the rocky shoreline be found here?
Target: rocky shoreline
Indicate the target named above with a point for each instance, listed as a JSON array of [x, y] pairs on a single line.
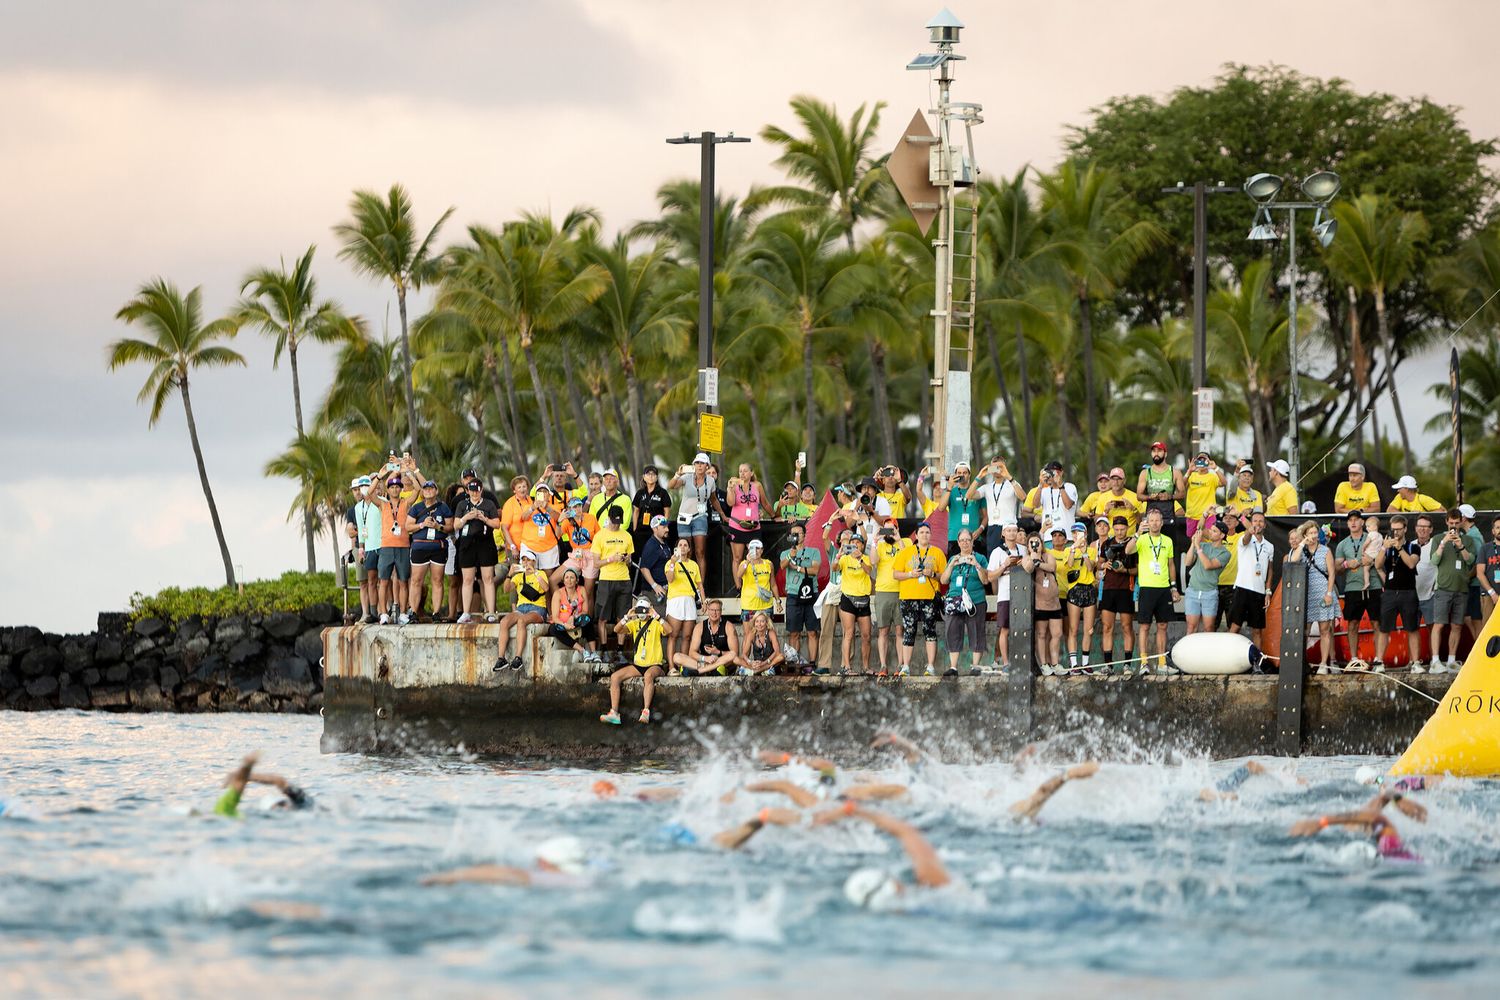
[[244, 663]]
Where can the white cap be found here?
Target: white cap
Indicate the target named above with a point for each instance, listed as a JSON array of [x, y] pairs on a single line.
[[1308, 507], [755, 543], [961, 465], [1466, 510], [1280, 466], [566, 854], [702, 457], [1406, 483], [871, 888], [1366, 775]]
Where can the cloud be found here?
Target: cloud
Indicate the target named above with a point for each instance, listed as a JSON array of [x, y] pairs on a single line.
[[469, 52]]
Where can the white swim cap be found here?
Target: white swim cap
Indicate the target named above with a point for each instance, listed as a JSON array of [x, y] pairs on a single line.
[[566, 854], [1366, 775], [871, 888]]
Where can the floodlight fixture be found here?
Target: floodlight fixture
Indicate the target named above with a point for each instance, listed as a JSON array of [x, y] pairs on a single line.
[[1325, 229], [1263, 187], [1321, 186], [1263, 230]]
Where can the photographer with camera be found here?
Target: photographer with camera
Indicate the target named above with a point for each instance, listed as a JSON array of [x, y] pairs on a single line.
[[800, 564], [529, 585], [893, 489], [474, 520], [1161, 486], [1009, 555], [1204, 480], [747, 501], [1002, 497], [966, 512], [700, 498], [965, 576], [649, 631], [918, 572], [885, 602], [428, 524], [354, 521], [613, 546], [856, 585], [1454, 556], [1116, 598], [1052, 502]]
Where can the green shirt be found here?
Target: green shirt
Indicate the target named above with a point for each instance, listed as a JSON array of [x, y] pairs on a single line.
[[1354, 579], [963, 513], [802, 564], [1155, 555], [1204, 580], [1454, 562]]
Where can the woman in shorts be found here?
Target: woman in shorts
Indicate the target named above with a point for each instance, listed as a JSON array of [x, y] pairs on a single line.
[[684, 590], [529, 587], [1047, 609], [856, 585]]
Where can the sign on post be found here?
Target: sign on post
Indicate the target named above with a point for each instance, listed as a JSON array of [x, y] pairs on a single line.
[[708, 386], [1205, 416], [711, 432]]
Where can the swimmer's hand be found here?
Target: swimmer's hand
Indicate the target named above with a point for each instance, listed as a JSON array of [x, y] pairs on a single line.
[[1085, 770], [1413, 810], [780, 817], [1255, 767], [1305, 828]]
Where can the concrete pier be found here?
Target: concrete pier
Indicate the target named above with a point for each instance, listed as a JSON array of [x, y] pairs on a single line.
[[430, 688]]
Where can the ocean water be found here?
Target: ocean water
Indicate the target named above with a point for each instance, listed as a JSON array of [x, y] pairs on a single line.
[[113, 883]]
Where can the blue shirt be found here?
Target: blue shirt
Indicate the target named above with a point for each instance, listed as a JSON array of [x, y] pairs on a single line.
[[654, 557], [963, 513], [431, 538]]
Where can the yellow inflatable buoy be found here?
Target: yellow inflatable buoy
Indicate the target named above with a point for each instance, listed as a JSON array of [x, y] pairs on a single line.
[[1463, 735]]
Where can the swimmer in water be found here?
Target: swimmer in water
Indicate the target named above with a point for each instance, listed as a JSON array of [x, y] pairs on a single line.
[[1228, 787], [234, 787], [1028, 807], [1371, 820], [606, 789], [560, 862], [873, 888], [1367, 775], [735, 837]]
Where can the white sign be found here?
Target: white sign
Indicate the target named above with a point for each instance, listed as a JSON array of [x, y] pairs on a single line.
[[708, 386], [1205, 416]]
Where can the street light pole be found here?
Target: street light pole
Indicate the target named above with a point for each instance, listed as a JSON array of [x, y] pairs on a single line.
[[1200, 192], [706, 185]]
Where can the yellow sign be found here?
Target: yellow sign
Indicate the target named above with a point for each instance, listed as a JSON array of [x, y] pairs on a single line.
[[711, 432]]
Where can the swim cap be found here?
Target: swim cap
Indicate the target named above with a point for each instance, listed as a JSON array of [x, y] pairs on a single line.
[[566, 854], [871, 888], [605, 789], [1366, 775]]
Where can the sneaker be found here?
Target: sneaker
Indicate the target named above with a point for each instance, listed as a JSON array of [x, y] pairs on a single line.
[[1045, 669], [723, 670], [491, 619], [1379, 667], [1324, 669], [499, 665], [1416, 667], [385, 619], [1437, 668], [515, 664], [904, 672], [1453, 665], [465, 618], [927, 672], [370, 618], [950, 672], [743, 671], [404, 619], [822, 671]]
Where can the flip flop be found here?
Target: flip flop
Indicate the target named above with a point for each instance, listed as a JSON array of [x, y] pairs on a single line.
[[645, 718], [610, 719]]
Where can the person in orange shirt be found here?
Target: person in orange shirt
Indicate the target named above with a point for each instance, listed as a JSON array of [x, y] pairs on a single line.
[[579, 528], [517, 508], [539, 534], [395, 544]]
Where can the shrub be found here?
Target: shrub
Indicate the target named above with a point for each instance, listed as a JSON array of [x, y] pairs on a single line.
[[291, 592]]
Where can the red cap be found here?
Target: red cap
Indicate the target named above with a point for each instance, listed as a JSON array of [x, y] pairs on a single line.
[[1158, 444]]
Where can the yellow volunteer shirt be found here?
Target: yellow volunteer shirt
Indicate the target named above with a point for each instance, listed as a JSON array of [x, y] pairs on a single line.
[[1246, 500], [855, 581], [897, 501], [647, 636], [1127, 504], [1074, 561], [613, 543], [1153, 555], [932, 562], [1232, 564], [1420, 503], [757, 577], [1364, 498], [887, 558], [1201, 487], [685, 579], [1283, 500]]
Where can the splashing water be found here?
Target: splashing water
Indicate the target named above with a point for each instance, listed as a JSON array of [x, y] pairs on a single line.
[[114, 881]]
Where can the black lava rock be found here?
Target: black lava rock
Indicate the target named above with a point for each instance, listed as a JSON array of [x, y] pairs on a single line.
[[309, 645], [149, 628], [91, 676], [22, 638], [321, 613], [244, 651], [40, 661], [78, 652], [73, 696], [289, 677], [283, 625], [42, 687], [109, 649], [117, 674]]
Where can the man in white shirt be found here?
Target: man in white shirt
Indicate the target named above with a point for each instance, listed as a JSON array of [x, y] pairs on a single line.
[[1003, 497], [1053, 501], [1426, 573], [1252, 580], [1006, 555]]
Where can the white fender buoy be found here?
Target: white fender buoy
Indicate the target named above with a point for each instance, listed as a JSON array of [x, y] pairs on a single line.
[[1215, 653]]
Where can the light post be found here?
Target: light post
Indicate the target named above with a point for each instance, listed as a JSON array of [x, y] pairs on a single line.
[[708, 382], [1320, 188]]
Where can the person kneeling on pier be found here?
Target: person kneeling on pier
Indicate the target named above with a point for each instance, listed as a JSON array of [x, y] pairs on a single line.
[[234, 787], [649, 631]]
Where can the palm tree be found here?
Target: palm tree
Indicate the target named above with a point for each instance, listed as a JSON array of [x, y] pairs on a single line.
[[381, 241], [284, 305], [1470, 277], [633, 317], [321, 464], [812, 288], [180, 341], [1249, 328], [365, 393], [1097, 245], [832, 159], [1375, 251]]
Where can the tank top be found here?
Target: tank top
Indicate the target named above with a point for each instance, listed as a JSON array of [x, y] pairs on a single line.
[[717, 638], [1160, 481], [569, 606], [746, 504], [761, 647]]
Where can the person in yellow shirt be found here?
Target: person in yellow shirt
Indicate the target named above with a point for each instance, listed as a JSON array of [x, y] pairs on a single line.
[[918, 571], [1233, 527], [893, 489], [1357, 493], [856, 585], [1408, 501], [1203, 482], [613, 546], [885, 603], [649, 631], [757, 578], [1075, 572], [1282, 500], [1244, 499], [528, 585], [684, 591], [1090, 506], [1120, 502]]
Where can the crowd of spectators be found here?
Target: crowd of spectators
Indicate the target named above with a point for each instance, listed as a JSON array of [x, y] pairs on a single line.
[[622, 577]]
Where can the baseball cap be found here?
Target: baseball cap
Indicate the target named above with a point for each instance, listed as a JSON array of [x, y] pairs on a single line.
[[642, 603], [1281, 466], [1080, 526], [1053, 466], [393, 481], [611, 471], [1467, 510], [359, 481], [468, 474], [650, 468], [1117, 471], [790, 482], [427, 483], [1355, 515], [1059, 530], [755, 543], [1308, 507], [1101, 518], [701, 457], [658, 521], [961, 465], [575, 501], [527, 554], [616, 514], [542, 488], [1406, 483], [1158, 444], [868, 481]]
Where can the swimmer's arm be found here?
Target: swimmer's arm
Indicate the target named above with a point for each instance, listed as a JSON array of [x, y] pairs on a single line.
[[659, 794], [240, 775], [736, 836], [776, 758], [1028, 807], [1364, 819], [1410, 809], [925, 866], [801, 796], [487, 874], [874, 792], [269, 779], [900, 744]]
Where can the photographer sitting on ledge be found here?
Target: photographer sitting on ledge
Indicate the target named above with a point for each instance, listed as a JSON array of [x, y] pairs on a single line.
[[649, 631]]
